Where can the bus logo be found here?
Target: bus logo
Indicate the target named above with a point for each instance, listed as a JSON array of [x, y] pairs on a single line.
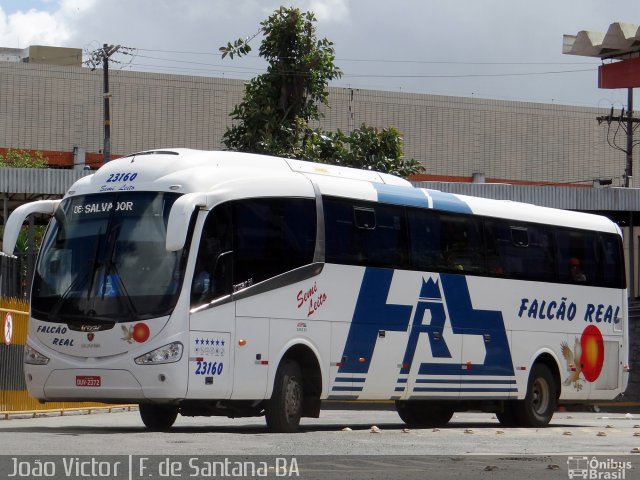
[[586, 358], [89, 328], [138, 333], [373, 313]]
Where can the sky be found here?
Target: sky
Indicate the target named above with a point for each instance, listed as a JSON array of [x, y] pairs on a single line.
[[497, 49]]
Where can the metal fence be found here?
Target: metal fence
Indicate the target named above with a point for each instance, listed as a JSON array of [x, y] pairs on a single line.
[[14, 315], [16, 274]]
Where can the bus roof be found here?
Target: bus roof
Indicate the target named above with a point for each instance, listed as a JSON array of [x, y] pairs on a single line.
[[187, 171]]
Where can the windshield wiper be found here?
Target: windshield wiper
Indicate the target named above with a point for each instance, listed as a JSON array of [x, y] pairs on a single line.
[[109, 268], [53, 315]]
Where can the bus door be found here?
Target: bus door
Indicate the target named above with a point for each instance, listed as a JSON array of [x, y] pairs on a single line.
[[212, 317]]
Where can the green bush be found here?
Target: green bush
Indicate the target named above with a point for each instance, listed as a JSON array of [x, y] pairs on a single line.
[[23, 159]]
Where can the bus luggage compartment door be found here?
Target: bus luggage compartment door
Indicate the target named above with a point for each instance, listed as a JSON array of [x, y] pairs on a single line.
[[251, 365]]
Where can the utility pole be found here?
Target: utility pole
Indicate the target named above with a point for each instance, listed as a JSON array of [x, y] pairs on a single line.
[[620, 46], [101, 56], [107, 51], [630, 120], [626, 121]]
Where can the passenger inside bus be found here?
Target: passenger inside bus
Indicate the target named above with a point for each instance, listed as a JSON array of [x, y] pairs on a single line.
[[576, 272], [201, 280]]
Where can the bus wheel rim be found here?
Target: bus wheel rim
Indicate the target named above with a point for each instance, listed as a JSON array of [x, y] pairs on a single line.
[[293, 397], [540, 396]]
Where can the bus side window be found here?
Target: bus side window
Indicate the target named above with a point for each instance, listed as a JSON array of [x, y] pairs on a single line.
[[578, 249], [386, 244], [361, 233], [496, 244], [272, 236], [341, 232], [212, 274], [424, 231], [611, 261], [462, 244], [522, 251]]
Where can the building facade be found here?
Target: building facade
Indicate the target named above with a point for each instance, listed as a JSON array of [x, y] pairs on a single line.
[[59, 109]]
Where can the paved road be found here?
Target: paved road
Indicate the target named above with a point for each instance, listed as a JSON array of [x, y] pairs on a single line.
[[339, 444]]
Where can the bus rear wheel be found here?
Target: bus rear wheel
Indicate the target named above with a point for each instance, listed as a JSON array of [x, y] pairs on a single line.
[[284, 409], [158, 417], [541, 400], [420, 413]]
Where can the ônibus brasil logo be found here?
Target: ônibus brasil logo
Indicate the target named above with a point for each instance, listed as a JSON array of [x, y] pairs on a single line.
[[595, 468]]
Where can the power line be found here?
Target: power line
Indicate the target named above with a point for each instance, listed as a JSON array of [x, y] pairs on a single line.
[[470, 75], [373, 75], [188, 62], [383, 60]]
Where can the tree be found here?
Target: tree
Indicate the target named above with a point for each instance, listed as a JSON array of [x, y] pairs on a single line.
[[274, 116], [278, 106]]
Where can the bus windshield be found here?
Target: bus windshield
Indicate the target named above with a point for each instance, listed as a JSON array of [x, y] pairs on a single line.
[[103, 259]]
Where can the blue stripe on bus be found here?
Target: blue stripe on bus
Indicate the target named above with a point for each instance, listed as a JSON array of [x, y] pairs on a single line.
[[349, 380], [396, 195], [399, 389], [415, 197], [347, 389], [402, 380], [448, 202]]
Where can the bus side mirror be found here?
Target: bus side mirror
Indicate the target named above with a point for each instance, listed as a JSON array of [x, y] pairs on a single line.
[[17, 218], [179, 218]]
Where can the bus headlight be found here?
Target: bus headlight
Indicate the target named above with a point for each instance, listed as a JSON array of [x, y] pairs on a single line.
[[34, 357], [167, 354]]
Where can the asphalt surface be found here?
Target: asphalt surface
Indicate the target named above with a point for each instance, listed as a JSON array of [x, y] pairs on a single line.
[[340, 444]]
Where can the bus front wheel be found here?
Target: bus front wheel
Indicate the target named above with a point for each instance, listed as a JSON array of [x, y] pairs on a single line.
[[158, 417], [284, 408]]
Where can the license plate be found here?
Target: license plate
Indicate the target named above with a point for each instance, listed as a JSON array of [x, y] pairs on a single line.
[[88, 381]]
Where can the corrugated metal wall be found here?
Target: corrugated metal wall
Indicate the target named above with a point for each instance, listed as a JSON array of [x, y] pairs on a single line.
[[38, 181], [569, 198]]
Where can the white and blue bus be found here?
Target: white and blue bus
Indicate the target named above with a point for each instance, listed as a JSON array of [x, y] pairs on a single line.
[[222, 283]]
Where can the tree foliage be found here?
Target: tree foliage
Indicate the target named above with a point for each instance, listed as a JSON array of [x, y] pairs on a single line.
[[365, 147], [22, 159], [275, 114]]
